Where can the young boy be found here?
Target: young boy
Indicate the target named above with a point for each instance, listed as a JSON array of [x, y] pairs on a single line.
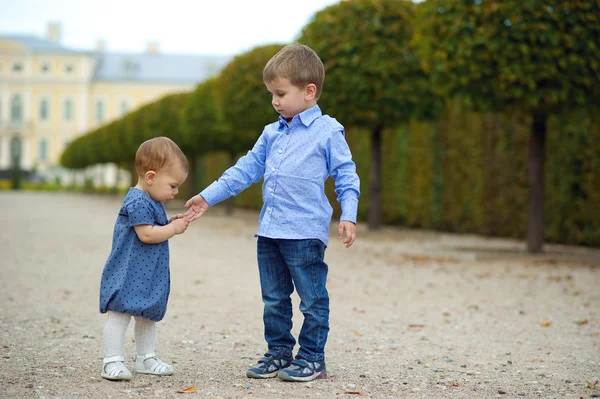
[[294, 155]]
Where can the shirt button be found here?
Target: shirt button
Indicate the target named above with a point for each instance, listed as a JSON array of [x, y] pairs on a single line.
[[270, 190], [273, 170], [280, 150], [269, 209]]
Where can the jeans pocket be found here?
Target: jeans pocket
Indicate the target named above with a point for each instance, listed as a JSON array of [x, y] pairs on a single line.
[[318, 250]]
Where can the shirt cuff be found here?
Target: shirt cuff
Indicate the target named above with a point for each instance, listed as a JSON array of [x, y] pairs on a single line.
[[349, 209], [215, 193]]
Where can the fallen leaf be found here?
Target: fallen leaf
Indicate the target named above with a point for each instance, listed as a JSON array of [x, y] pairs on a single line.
[[358, 310], [592, 383], [191, 389], [446, 314], [581, 322], [358, 333], [353, 392], [546, 323], [416, 325]]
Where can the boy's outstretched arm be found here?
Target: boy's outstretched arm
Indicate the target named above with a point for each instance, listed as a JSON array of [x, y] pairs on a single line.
[[247, 170], [198, 206]]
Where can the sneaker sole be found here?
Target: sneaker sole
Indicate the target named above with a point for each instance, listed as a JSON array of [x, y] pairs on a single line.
[[286, 377], [252, 374]]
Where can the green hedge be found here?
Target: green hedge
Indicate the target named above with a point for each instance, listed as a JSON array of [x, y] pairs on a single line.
[[468, 174]]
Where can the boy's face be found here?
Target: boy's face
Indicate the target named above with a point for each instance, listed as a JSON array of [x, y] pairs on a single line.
[[164, 184], [289, 100]]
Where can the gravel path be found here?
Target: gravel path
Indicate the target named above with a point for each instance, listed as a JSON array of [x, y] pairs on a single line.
[[414, 314]]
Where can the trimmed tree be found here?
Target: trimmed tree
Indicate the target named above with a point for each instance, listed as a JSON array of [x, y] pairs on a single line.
[[537, 57], [202, 127], [249, 108], [372, 79]]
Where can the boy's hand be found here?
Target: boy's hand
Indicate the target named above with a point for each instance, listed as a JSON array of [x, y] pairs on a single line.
[[175, 217], [198, 207], [350, 229], [180, 225]]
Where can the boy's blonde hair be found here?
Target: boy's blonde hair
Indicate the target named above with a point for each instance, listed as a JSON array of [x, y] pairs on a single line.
[[298, 63], [158, 153]]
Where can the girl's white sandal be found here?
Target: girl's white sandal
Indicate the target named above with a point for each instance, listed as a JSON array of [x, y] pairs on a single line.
[[118, 373], [158, 367]]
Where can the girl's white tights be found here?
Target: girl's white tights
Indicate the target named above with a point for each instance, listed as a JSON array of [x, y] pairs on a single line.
[[145, 343], [114, 335]]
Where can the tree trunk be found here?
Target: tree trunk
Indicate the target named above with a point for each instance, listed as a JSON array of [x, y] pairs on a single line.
[[230, 201], [374, 208], [437, 206], [536, 162], [134, 175], [191, 189]]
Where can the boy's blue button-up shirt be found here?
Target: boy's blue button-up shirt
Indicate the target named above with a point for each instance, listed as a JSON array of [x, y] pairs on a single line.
[[295, 159]]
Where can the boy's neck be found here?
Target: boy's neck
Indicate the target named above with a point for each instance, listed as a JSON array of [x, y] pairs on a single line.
[[309, 105]]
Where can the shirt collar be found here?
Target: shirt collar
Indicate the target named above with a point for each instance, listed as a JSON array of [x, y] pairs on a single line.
[[307, 117]]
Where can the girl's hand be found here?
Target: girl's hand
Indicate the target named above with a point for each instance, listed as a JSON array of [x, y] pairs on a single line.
[[180, 225], [175, 217]]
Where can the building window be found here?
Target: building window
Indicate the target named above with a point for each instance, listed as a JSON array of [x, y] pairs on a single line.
[[99, 111], [124, 107], [44, 109], [16, 148], [43, 149], [45, 67], [17, 67], [69, 68], [68, 109], [16, 109]]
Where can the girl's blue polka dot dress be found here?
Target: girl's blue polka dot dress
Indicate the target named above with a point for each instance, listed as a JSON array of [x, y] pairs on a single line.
[[136, 279]]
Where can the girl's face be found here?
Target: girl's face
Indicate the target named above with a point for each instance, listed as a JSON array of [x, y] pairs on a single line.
[[164, 184], [289, 100]]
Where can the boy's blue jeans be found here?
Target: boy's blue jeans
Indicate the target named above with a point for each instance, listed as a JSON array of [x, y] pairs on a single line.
[[283, 265]]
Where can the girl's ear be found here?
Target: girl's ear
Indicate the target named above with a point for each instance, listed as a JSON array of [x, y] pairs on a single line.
[[310, 91], [149, 177]]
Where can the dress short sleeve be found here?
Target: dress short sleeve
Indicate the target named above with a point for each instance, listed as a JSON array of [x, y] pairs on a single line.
[[140, 212]]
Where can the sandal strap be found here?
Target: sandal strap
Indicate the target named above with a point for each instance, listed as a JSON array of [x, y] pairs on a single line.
[[147, 356], [159, 365], [113, 359]]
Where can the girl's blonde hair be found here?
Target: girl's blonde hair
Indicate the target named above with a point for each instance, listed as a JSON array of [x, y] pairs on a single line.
[[158, 153]]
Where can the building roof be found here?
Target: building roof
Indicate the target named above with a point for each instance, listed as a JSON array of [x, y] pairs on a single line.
[[157, 67], [38, 45], [136, 67]]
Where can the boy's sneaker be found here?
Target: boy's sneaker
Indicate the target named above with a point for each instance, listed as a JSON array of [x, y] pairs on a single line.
[[303, 370], [270, 365]]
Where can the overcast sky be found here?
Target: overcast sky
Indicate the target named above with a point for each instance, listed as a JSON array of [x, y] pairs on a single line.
[[179, 26]]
